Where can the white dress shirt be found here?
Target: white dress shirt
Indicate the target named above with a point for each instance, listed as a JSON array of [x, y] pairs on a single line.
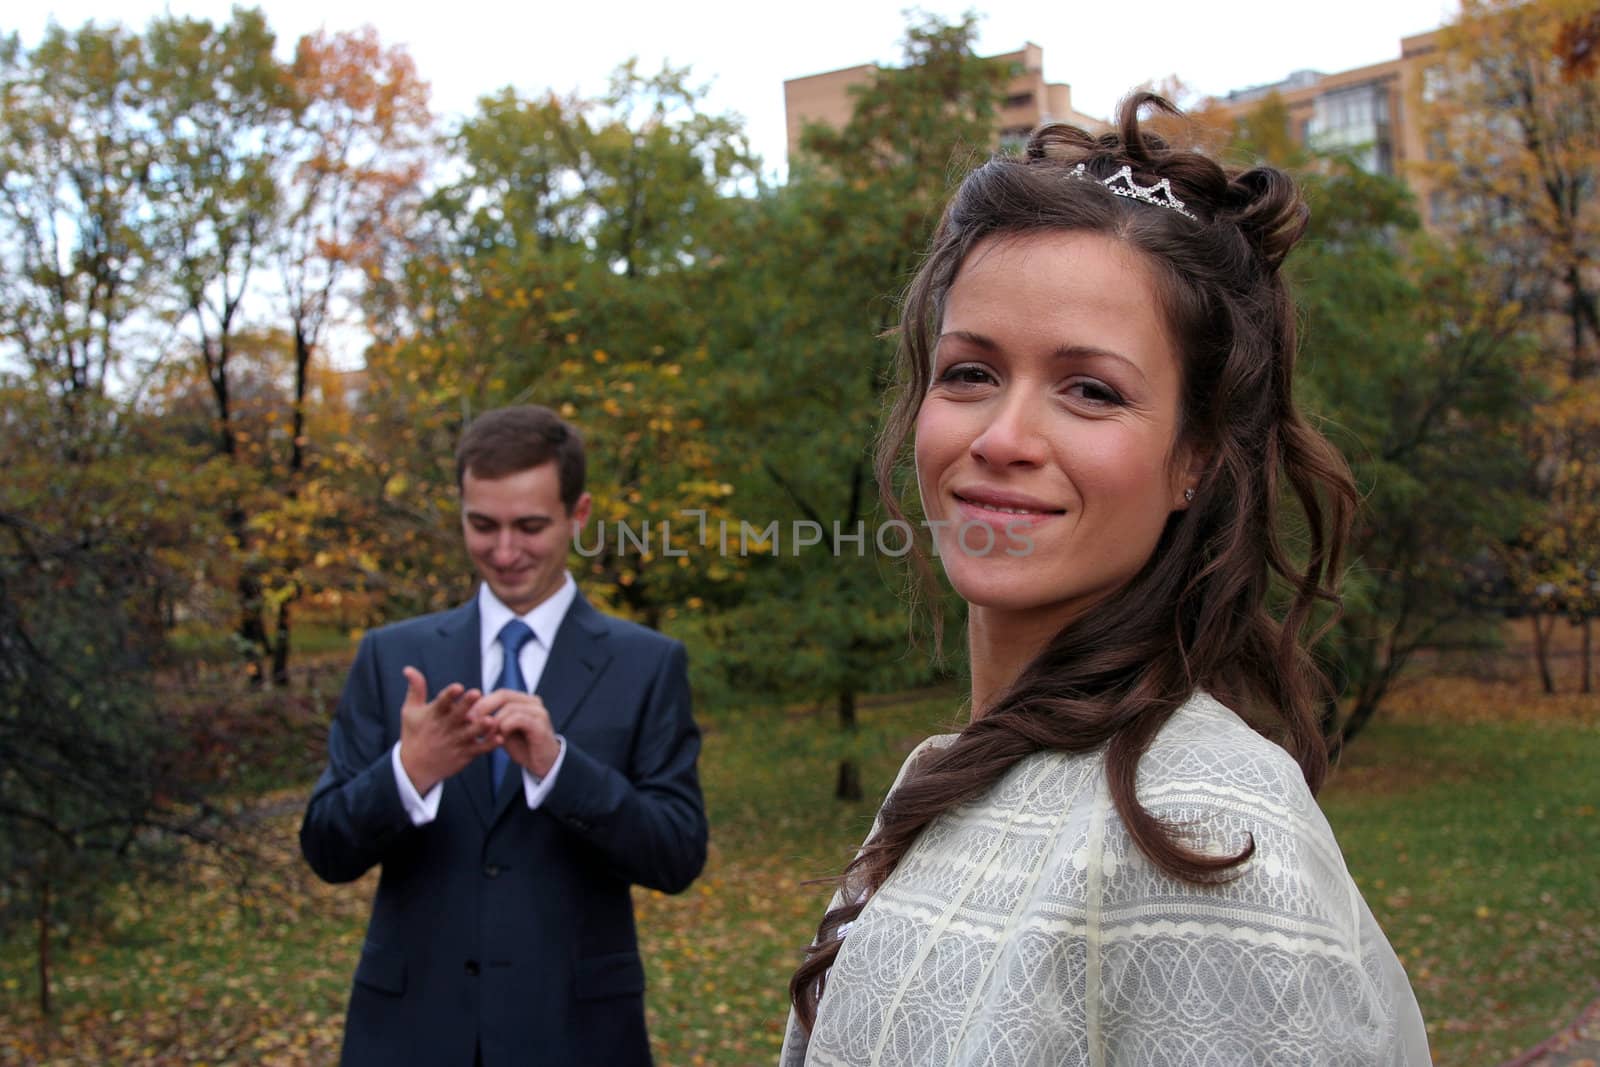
[[544, 620]]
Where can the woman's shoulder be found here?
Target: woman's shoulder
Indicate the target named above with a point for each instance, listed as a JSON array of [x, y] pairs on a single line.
[[934, 742], [1228, 787], [1206, 744], [927, 745], [1289, 914]]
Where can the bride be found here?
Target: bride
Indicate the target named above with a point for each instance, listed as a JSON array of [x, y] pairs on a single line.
[[1119, 860]]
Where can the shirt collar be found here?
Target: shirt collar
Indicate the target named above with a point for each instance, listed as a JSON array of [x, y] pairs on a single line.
[[544, 620]]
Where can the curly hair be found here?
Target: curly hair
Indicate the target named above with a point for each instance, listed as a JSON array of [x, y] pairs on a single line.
[[1197, 614]]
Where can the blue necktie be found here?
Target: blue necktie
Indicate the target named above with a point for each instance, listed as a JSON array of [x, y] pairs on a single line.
[[513, 636]]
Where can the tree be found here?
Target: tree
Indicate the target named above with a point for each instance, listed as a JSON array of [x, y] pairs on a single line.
[[1515, 121], [223, 105], [76, 264], [94, 557], [569, 264], [358, 151], [1419, 381], [355, 155], [104, 523], [828, 257], [138, 202]]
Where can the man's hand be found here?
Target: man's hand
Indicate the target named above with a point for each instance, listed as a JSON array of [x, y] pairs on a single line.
[[441, 736], [521, 723]]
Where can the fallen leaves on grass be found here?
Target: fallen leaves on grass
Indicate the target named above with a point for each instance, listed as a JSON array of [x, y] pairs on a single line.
[[1476, 857], [201, 971]]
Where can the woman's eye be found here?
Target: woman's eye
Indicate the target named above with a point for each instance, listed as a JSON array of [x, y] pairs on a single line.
[[965, 374], [1097, 393]]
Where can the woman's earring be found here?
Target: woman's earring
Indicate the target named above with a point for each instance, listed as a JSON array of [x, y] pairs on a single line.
[[1188, 495]]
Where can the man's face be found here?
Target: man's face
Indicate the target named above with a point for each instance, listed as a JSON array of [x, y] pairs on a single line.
[[518, 533]]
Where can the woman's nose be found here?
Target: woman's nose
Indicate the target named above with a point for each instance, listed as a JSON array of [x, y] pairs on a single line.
[[1014, 431]]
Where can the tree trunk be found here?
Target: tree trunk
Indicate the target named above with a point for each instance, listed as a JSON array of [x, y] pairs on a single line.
[[44, 951], [847, 709], [1585, 683], [848, 786], [297, 463], [252, 631], [302, 366], [1541, 650], [1366, 706], [280, 646]]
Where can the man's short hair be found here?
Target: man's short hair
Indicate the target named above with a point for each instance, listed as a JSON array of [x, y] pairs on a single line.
[[507, 441]]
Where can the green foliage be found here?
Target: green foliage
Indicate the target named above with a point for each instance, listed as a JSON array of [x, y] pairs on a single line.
[[918, 125], [93, 565], [571, 264], [1516, 165], [78, 728], [75, 192], [823, 263], [1420, 386], [223, 105], [1262, 134]]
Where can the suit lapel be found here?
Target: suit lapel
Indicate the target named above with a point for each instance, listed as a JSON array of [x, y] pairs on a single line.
[[460, 659], [575, 662]]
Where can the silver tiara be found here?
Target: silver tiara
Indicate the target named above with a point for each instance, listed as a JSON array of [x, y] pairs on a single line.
[[1160, 194]]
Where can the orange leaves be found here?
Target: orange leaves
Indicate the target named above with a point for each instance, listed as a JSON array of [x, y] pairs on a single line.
[[1578, 46], [354, 72]]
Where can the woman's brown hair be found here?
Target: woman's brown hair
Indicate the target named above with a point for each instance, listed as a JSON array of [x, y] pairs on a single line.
[[1196, 616]]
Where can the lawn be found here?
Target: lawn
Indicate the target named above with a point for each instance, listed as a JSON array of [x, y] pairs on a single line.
[[1467, 814]]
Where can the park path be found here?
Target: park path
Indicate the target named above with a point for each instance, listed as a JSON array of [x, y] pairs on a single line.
[[1575, 1045]]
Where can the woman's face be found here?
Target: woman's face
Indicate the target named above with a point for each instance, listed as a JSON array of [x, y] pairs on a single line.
[[1046, 446]]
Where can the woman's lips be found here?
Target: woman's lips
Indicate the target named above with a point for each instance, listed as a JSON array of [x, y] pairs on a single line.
[[1003, 511]]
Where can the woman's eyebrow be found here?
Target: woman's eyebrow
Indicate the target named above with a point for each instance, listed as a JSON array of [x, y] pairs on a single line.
[[1095, 352], [980, 340]]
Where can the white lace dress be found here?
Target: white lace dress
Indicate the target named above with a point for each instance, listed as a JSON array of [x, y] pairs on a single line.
[[1025, 928]]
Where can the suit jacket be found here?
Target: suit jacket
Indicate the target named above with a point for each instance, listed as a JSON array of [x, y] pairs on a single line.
[[494, 926]]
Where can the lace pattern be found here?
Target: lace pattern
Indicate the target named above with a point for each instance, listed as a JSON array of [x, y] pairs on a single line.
[[1025, 928]]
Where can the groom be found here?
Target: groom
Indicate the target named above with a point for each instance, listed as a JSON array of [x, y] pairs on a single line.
[[513, 765]]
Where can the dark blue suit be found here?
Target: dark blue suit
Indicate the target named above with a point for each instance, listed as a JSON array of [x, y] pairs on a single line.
[[495, 927]]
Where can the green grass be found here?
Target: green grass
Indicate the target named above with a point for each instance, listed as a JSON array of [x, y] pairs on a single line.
[[1474, 840], [719, 956], [1478, 848]]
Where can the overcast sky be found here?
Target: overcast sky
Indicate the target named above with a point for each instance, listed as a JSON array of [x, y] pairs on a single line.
[[745, 50]]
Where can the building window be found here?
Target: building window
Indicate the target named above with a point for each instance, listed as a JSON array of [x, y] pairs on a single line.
[[1355, 121], [1014, 139], [1019, 100], [1435, 83]]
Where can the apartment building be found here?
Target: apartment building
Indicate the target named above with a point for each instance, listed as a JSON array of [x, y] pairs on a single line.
[[1029, 100], [1373, 112]]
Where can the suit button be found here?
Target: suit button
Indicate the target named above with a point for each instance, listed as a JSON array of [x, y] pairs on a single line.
[[492, 870], [472, 968]]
